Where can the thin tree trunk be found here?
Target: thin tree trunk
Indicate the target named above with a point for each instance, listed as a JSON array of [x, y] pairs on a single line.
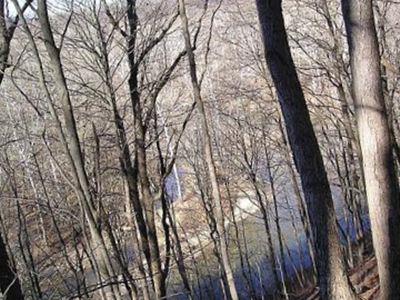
[[71, 140], [271, 180], [303, 211], [216, 194], [270, 246], [238, 242], [298, 242], [9, 281], [129, 172], [144, 181]]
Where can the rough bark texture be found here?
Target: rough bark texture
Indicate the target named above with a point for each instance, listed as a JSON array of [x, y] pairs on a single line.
[[376, 146], [332, 278]]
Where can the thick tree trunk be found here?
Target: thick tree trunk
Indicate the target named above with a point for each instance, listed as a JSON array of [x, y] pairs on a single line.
[[374, 131], [356, 183], [332, 278]]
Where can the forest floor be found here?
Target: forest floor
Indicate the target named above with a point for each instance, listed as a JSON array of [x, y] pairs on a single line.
[[364, 278]]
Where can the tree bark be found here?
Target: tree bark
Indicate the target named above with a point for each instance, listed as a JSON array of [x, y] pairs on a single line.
[[143, 177], [332, 278], [376, 146]]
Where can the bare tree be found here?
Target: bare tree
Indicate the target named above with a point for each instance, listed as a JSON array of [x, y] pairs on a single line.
[[332, 278], [376, 145], [9, 282], [216, 193]]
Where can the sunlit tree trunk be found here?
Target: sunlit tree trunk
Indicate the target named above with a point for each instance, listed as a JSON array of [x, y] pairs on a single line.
[[376, 145]]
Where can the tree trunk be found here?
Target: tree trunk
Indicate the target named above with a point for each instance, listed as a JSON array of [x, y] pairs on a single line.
[[332, 278], [144, 181], [376, 146], [9, 281], [216, 194], [72, 144], [271, 180]]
